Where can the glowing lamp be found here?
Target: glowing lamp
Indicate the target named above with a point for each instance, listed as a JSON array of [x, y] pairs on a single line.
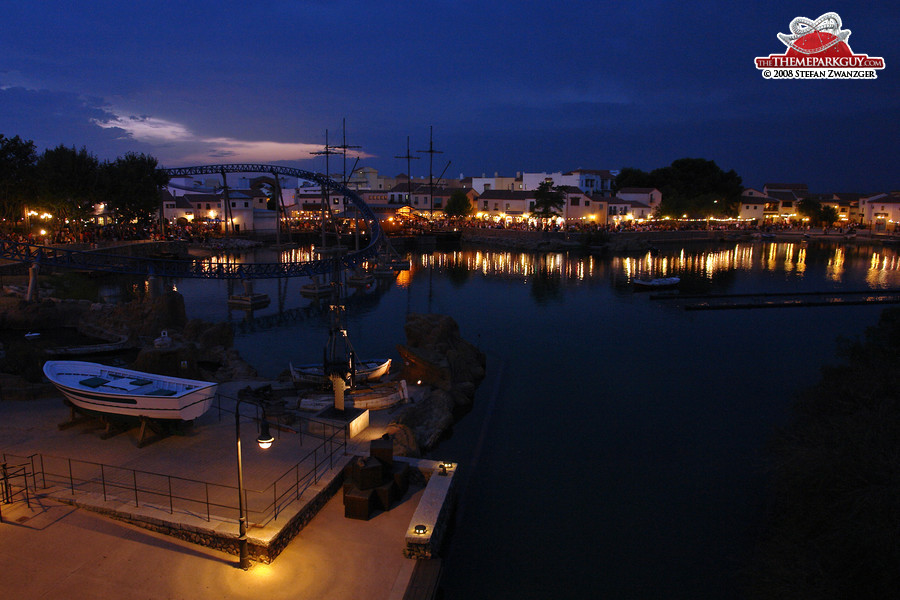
[[420, 529], [265, 438]]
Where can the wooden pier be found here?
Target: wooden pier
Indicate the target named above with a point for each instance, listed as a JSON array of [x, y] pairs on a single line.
[[780, 299]]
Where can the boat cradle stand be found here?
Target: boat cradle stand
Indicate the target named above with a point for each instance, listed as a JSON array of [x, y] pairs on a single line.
[[113, 428]]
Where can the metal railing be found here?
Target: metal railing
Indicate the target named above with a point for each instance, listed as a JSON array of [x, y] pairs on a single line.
[[9, 489], [171, 493]]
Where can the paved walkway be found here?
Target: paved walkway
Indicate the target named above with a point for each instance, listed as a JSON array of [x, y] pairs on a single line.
[[56, 550]]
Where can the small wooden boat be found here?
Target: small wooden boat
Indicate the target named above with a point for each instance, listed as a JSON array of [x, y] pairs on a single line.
[[316, 289], [658, 282], [100, 388], [249, 301], [366, 370], [360, 278]]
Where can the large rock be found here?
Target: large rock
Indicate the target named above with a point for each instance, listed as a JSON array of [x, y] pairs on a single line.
[[437, 356], [46, 314]]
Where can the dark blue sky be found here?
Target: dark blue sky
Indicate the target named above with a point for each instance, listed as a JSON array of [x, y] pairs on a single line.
[[507, 86]]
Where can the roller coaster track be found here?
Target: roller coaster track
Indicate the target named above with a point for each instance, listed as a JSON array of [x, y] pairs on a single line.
[[98, 261]]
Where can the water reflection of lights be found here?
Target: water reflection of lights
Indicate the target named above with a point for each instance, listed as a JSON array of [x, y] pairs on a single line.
[[883, 271], [883, 268], [404, 278], [836, 265]]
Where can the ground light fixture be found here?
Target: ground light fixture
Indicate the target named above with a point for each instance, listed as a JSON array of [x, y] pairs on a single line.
[[420, 529]]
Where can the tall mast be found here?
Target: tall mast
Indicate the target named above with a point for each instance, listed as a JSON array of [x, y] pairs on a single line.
[[327, 151], [408, 158], [431, 152], [345, 179]]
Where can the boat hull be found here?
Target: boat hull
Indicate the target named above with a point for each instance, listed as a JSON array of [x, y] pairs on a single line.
[[367, 370], [186, 399], [657, 283]]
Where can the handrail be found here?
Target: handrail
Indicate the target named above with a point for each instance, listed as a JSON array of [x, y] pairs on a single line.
[[136, 484]]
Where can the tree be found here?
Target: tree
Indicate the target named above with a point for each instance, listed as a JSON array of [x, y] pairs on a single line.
[[131, 187], [693, 186], [458, 205], [548, 201], [810, 208], [828, 215], [17, 176], [68, 181]]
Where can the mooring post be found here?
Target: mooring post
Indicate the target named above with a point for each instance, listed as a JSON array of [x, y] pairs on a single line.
[[32, 282]]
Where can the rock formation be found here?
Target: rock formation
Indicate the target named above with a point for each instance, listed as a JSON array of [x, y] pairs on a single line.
[[437, 356]]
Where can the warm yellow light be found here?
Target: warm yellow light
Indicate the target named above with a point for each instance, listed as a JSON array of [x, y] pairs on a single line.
[[43, 232]]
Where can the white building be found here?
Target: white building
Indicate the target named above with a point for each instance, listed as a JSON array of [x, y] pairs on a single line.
[[644, 197], [481, 184], [753, 205], [881, 212], [531, 181]]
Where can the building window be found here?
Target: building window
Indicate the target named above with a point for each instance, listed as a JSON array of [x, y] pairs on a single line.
[[485, 205], [246, 204], [576, 201]]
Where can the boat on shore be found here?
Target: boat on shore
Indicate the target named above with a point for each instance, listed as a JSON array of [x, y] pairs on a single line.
[[100, 388], [659, 282], [366, 370]]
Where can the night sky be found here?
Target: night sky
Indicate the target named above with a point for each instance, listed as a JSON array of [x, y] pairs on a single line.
[[507, 86]]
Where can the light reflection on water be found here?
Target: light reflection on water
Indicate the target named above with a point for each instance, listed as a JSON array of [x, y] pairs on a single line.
[[623, 433]]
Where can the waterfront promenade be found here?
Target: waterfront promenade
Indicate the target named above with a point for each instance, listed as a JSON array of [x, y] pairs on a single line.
[[56, 549]]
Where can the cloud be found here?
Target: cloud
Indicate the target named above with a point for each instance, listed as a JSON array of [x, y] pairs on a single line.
[[184, 145], [148, 129]]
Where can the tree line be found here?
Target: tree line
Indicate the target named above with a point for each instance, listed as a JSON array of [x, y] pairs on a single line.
[[695, 187], [68, 183]]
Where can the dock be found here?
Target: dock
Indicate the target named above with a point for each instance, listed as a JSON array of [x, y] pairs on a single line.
[[780, 299], [141, 532]]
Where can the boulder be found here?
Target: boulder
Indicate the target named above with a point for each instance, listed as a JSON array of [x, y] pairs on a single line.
[[437, 356], [404, 440]]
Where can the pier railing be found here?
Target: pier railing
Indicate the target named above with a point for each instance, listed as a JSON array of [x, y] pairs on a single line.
[[43, 473]]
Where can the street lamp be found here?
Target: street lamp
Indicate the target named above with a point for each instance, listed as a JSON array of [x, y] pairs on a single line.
[[264, 440]]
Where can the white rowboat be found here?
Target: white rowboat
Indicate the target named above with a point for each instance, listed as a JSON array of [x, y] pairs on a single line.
[[100, 388], [366, 370]]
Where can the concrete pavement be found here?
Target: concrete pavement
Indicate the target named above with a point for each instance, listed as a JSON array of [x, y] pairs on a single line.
[[57, 550]]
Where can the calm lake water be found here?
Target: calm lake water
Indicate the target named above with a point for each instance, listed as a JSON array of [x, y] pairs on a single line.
[[616, 448]]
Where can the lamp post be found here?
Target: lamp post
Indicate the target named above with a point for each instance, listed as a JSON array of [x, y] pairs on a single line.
[[264, 440]]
